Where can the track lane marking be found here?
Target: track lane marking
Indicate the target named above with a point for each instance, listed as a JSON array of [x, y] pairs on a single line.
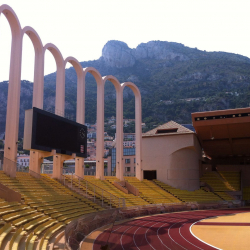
[[126, 231], [190, 229], [178, 218]]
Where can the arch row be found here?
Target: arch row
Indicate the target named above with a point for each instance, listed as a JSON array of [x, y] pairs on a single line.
[[13, 103]]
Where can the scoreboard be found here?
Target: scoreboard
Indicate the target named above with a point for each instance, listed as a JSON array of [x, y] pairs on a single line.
[[45, 131]]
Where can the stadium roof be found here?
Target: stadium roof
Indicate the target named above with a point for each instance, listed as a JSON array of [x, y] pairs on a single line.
[[169, 128], [224, 133]]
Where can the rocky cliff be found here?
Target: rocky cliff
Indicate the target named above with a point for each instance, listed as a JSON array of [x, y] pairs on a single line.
[[118, 54]]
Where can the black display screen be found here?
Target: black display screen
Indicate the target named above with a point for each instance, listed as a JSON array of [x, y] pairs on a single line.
[[51, 131]]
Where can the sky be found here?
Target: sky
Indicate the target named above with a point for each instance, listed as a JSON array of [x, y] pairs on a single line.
[[80, 28]]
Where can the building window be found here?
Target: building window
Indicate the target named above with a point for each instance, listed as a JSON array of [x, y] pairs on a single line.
[[134, 160], [127, 169], [167, 130], [127, 161], [129, 151]]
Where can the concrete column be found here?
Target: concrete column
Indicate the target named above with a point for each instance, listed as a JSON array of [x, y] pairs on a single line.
[[79, 167], [60, 91], [60, 100], [38, 88], [119, 125], [138, 139], [100, 133], [38, 68], [13, 103], [57, 166], [80, 107], [138, 132], [99, 121], [58, 161], [35, 162], [60, 78], [119, 136]]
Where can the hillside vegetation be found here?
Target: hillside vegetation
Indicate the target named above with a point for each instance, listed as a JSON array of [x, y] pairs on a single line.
[[174, 81]]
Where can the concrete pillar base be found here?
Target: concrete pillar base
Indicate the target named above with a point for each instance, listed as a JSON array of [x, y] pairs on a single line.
[[36, 160], [79, 169], [58, 161], [9, 168]]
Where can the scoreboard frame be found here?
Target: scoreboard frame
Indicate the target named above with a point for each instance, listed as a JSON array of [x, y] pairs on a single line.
[[45, 131]]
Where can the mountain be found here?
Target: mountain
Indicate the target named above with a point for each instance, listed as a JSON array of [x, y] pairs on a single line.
[[174, 81]]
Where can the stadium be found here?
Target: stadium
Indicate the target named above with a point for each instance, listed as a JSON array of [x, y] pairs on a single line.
[[190, 190]]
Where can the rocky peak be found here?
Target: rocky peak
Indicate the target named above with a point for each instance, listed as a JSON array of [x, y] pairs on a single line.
[[117, 54], [158, 50]]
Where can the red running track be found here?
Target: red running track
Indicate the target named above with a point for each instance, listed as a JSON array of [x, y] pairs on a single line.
[[165, 231]]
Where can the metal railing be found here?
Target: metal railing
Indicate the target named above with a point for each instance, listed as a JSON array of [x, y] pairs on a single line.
[[90, 190], [89, 172]]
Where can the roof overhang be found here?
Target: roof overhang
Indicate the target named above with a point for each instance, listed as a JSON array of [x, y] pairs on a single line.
[[224, 133]]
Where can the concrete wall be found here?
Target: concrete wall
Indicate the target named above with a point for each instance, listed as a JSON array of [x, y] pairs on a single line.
[[9, 194], [176, 158]]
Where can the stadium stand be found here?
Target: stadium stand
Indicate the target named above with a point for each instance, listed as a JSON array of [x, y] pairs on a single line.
[[94, 192], [152, 193], [246, 193], [188, 196], [216, 182], [233, 178], [223, 182], [107, 184], [46, 207]]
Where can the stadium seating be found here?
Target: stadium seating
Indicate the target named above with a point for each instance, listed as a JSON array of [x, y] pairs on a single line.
[[189, 196], [107, 184], [214, 180], [233, 178], [246, 193], [46, 208], [151, 192], [224, 195]]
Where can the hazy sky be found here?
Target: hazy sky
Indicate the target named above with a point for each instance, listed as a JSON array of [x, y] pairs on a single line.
[[80, 28]]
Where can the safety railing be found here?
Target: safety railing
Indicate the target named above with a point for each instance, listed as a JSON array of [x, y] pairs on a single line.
[[89, 172], [114, 174], [92, 191], [98, 191]]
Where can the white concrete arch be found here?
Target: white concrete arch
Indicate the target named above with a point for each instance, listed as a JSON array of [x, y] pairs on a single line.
[[60, 78], [38, 68], [99, 120], [12, 18], [138, 130], [80, 106], [13, 103], [119, 125]]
